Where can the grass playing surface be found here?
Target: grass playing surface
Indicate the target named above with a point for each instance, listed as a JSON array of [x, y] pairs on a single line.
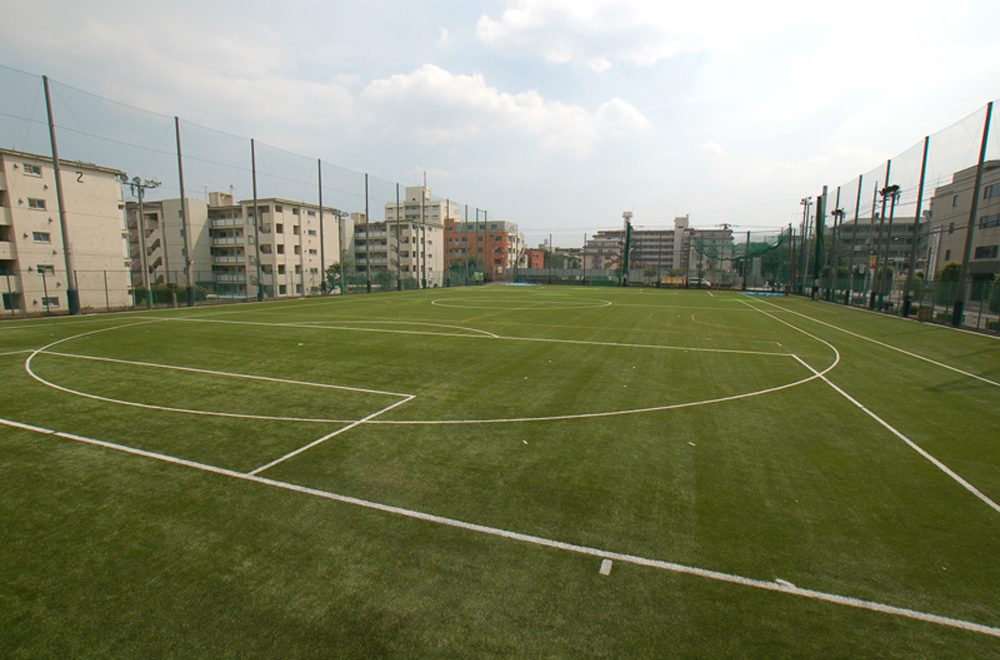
[[444, 472]]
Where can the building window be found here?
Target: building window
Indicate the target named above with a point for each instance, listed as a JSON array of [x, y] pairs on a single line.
[[954, 201], [279, 229], [986, 252], [312, 252], [35, 203], [50, 301], [41, 237], [282, 289], [45, 269], [312, 232], [281, 269], [947, 255], [281, 248], [32, 170], [992, 190]]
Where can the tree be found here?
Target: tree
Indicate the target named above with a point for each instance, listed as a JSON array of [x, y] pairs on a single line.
[[947, 280], [385, 279], [333, 274], [995, 294]]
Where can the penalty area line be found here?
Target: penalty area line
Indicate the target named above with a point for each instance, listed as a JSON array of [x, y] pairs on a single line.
[[917, 448], [779, 587], [326, 437]]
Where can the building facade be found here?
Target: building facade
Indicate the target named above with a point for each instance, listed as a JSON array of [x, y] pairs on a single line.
[[33, 277], [950, 208], [165, 257], [289, 242], [682, 251], [494, 246]]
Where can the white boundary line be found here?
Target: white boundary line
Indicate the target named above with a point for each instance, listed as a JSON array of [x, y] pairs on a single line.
[[21, 352], [671, 567], [885, 345], [822, 375], [326, 437], [314, 325], [227, 374], [938, 464]]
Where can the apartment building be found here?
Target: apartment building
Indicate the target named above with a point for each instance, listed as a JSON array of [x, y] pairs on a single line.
[[533, 258], [855, 243], [494, 245], [683, 250], [33, 276], [290, 245], [950, 207], [414, 230], [165, 256]]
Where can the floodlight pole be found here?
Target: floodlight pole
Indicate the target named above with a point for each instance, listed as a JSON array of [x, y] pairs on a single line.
[[322, 236], [878, 243], [256, 222]]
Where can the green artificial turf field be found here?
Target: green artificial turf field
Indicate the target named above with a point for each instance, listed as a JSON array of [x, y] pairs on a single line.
[[452, 472]]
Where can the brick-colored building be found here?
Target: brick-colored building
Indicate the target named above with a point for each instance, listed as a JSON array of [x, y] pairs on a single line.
[[492, 245]]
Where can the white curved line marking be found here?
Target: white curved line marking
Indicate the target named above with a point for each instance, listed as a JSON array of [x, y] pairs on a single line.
[[148, 406], [671, 567], [444, 302]]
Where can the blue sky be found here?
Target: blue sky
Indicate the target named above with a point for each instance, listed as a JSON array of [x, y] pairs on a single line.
[[557, 115]]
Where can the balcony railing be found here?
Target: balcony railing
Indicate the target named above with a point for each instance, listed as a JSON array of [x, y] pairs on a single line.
[[229, 259]]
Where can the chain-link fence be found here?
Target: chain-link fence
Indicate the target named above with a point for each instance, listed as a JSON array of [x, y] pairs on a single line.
[[916, 236], [149, 208]]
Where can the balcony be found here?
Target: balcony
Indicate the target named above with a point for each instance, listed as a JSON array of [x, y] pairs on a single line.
[[227, 240], [227, 222], [229, 259], [7, 250], [5, 216], [3, 181], [222, 277]]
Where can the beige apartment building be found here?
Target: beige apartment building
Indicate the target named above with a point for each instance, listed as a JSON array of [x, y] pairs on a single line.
[[950, 207], [293, 246], [33, 276], [166, 255]]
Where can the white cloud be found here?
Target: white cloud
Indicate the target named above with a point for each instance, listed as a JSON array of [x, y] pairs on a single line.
[[444, 38], [713, 148], [601, 34], [434, 105]]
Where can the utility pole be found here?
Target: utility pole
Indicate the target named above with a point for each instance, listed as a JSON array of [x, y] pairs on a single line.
[[820, 226], [893, 193], [791, 260], [139, 188]]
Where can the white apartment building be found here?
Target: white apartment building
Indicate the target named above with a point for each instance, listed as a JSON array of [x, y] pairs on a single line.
[[294, 248], [417, 227], [33, 276], [166, 254]]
